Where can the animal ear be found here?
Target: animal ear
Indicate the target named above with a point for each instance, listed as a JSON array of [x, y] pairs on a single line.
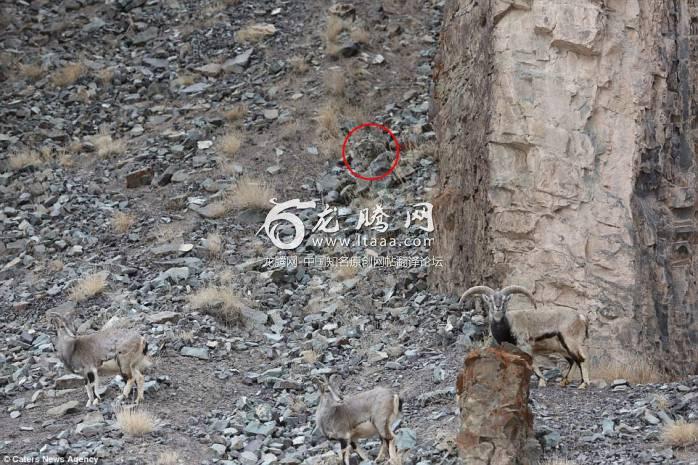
[[319, 383], [334, 381]]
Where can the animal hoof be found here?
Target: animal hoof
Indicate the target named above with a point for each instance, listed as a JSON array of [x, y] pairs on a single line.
[[564, 383], [542, 383], [583, 386]]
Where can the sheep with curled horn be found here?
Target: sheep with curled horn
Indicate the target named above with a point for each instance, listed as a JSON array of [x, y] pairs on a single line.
[[560, 330], [363, 415]]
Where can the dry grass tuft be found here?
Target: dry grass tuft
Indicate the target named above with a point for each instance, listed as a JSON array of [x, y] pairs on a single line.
[[24, 159], [88, 287], [330, 148], [360, 35], [229, 144], [219, 302], [134, 421], [106, 145], [298, 65], [327, 119], [168, 458], [335, 82], [122, 222], [31, 71], [214, 244], [635, 370], [68, 74], [255, 32], [251, 194], [680, 434], [236, 113], [333, 28], [105, 76]]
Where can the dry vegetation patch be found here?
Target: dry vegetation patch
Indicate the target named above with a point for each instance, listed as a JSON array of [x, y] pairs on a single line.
[[229, 144], [250, 193], [214, 244], [236, 113], [298, 65], [24, 159], [327, 119], [106, 145], [135, 421], [31, 71], [360, 35], [68, 74], [168, 458], [680, 434], [335, 82], [105, 76], [88, 287], [635, 370], [122, 222], [219, 302]]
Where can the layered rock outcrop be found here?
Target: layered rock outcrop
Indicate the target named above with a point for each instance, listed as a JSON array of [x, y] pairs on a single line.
[[496, 423], [568, 163]]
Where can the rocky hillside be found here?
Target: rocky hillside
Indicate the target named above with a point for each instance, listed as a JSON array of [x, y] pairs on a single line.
[[141, 142]]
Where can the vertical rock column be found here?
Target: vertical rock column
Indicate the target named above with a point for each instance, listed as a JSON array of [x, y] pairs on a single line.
[[496, 423]]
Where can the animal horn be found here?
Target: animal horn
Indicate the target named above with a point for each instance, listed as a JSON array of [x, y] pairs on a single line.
[[519, 290], [476, 290]]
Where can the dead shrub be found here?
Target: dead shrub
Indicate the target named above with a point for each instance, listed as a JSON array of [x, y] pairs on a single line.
[[236, 113], [680, 434], [88, 287], [106, 145], [229, 144], [636, 370], [335, 82], [214, 244], [24, 159], [168, 458], [68, 74], [219, 302], [327, 119], [31, 71], [134, 421], [298, 65], [333, 28], [251, 194], [360, 35], [121, 222]]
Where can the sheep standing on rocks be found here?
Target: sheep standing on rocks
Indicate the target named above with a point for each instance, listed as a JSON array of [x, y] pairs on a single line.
[[560, 331], [107, 352], [364, 415]]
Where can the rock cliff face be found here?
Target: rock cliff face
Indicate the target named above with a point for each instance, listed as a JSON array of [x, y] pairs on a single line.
[[568, 163]]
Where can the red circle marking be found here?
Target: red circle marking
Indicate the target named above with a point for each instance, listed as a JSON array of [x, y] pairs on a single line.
[[392, 167]]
